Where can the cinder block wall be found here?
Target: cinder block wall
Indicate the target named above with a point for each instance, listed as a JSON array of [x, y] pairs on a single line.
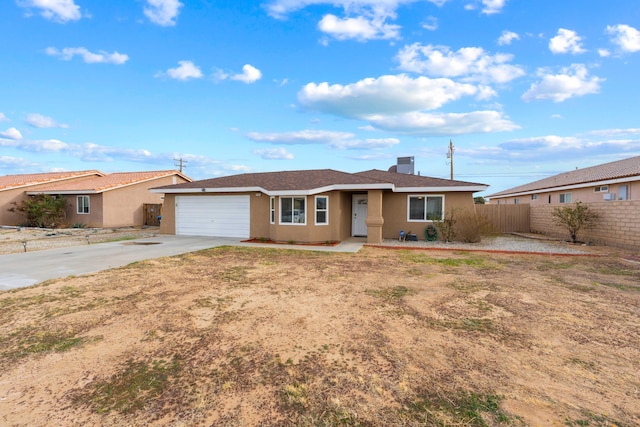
[[618, 225]]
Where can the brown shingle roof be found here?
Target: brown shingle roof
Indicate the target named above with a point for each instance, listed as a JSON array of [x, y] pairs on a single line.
[[25, 180], [278, 181], [305, 180], [107, 182], [406, 180], [613, 170]]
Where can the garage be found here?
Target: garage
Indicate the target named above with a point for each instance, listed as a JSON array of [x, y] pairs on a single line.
[[219, 216]]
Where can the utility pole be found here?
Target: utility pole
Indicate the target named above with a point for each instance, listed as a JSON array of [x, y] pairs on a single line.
[[180, 163], [450, 156]]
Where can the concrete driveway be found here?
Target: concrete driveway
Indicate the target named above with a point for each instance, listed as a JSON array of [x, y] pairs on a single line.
[[28, 268]]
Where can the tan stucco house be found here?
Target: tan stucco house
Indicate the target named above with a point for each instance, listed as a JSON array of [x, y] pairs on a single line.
[[14, 188], [311, 205], [619, 180], [112, 200]]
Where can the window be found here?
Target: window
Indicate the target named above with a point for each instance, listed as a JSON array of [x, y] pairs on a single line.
[[322, 210], [83, 204], [516, 201], [272, 210], [565, 198], [623, 192], [534, 197], [292, 210], [426, 208], [601, 189]]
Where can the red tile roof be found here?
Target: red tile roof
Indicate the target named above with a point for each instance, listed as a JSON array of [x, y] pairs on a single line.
[[613, 170], [16, 181], [107, 182], [307, 180]]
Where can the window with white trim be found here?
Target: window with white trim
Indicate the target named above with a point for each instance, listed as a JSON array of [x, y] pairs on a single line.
[[425, 208], [601, 189], [534, 197], [516, 201], [272, 210], [565, 198], [83, 205], [322, 210], [623, 192], [292, 210]]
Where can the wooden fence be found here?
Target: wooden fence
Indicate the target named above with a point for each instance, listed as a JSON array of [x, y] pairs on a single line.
[[507, 218], [151, 212]]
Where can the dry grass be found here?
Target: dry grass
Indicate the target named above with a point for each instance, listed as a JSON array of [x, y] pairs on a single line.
[[246, 336]]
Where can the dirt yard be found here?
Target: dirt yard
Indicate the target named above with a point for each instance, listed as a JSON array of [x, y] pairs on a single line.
[[256, 336]]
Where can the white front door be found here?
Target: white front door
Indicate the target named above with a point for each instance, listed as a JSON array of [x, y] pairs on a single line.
[[359, 215]]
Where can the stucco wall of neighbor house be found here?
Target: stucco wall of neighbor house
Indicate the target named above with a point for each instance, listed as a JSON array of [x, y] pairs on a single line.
[[617, 225], [394, 211], [122, 207], [93, 219], [587, 194], [17, 195]]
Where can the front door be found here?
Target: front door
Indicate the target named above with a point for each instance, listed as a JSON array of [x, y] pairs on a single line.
[[359, 215]]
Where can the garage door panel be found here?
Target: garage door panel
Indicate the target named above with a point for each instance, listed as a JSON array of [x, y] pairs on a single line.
[[223, 216]]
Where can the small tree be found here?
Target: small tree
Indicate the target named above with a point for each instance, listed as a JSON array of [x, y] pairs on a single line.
[[446, 225], [42, 210], [574, 218]]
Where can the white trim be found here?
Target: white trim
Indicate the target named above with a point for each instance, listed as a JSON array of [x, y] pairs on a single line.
[[88, 205], [325, 189], [568, 187], [272, 210], [409, 196], [304, 197], [325, 210]]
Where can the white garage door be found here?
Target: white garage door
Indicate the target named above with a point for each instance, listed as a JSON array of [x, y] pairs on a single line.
[[221, 216]]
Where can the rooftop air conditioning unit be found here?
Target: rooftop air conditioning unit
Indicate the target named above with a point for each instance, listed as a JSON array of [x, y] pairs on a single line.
[[609, 196], [405, 165]]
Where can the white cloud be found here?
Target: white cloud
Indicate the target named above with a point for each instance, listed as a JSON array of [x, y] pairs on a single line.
[[3, 118], [39, 121], [11, 133], [383, 95], [101, 153], [428, 124], [89, 57], [615, 132], [472, 63], [363, 19], [492, 6], [163, 12], [604, 53], [358, 28], [627, 38], [431, 23], [572, 81], [567, 41], [337, 140], [274, 154], [184, 71], [250, 74], [55, 10], [45, 145], [507, 37]]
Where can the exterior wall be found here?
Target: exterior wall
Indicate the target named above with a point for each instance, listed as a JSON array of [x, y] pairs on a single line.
[[168, 221], [617, 225], [122, 207], [394, 211], [93, 219], [586, 195], [17, 195]]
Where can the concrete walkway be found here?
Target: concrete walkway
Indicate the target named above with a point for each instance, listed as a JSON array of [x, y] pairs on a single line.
[[28, 268]]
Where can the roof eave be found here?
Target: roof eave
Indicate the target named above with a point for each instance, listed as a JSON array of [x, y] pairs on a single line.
[[566, 187]]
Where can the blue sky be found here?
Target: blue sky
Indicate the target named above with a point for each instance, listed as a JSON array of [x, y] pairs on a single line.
[[525, 89]]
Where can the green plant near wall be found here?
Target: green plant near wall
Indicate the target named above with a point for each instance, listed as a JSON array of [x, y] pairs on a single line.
[[42, 210], [574, 218]]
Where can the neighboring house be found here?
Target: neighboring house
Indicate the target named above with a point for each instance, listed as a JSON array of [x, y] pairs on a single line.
[[14, 188], [113, 200], [312, 205], [618, 180]]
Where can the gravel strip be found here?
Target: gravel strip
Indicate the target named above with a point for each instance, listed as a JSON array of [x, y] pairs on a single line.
[[505, 243]]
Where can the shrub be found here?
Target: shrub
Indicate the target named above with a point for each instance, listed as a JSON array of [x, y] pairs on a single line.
[[42, 210], [574, 218], [446, 225]]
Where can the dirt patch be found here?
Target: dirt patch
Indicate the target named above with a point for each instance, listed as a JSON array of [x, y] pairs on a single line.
[[255, 336]]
